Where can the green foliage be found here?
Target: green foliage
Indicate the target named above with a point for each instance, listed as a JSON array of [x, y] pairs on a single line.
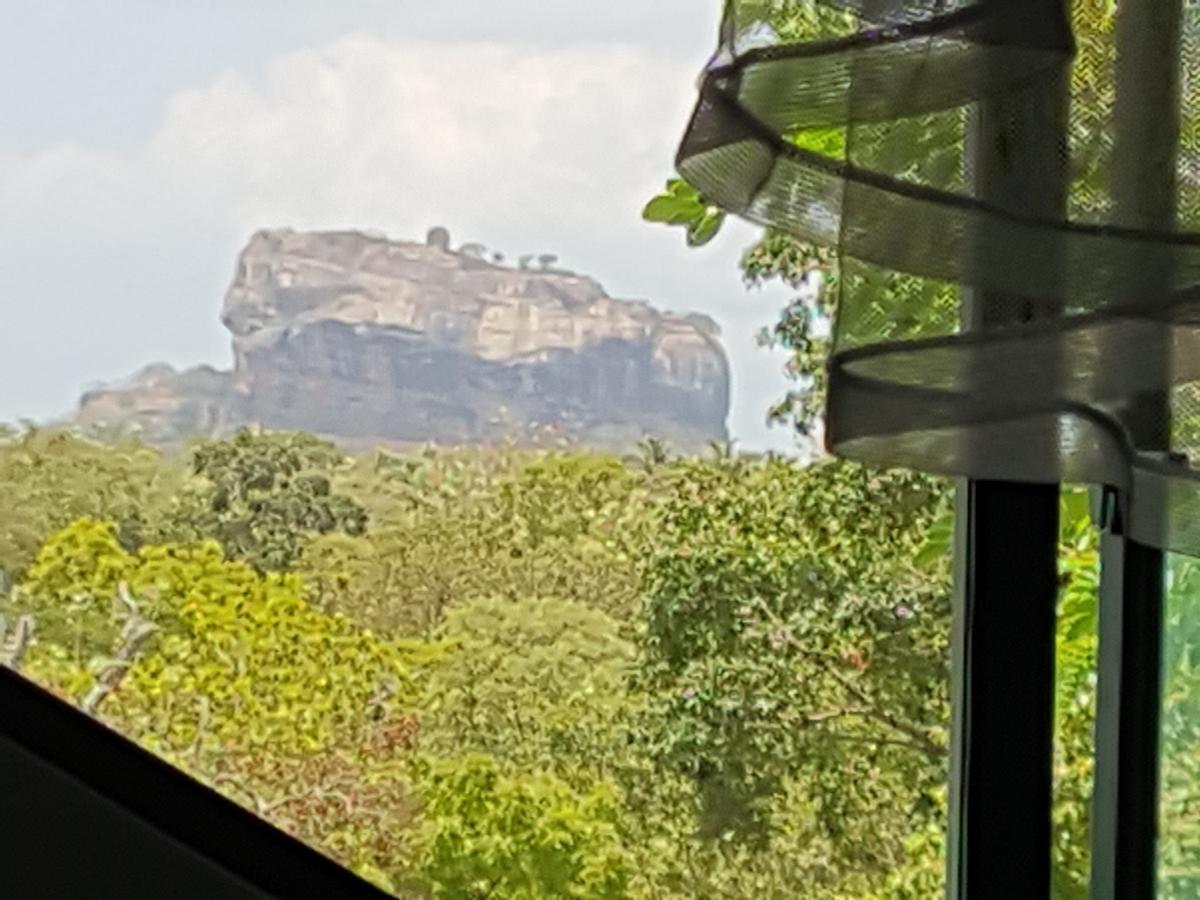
[[1075, 706], [529, 569], [300, 715], [778, 256], [680, 204], [1179, 830], [524, 837], [48, 479], [260, 494], [745, 658], [790, 638], [258, 663], [451, 526], [540, 684], [241, 656], [71, 587]]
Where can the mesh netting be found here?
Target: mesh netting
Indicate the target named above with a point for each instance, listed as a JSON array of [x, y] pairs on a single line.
[[1013, 189]]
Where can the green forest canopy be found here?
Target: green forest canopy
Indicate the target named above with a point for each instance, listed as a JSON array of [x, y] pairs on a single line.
[[506, 673]]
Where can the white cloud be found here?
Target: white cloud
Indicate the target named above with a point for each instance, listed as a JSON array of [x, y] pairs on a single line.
[[399, 134], [524, 148]]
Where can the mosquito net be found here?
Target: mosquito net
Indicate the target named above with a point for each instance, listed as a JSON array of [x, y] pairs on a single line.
[[1013, 191]]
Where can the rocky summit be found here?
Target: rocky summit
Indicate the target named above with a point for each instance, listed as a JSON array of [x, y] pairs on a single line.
[[366, 340]]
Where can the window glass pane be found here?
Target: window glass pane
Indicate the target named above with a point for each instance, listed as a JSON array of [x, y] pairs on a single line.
[[467, 566], [1179, 848]]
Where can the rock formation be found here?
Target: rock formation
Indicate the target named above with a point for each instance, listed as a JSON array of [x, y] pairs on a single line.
[[367, 340]]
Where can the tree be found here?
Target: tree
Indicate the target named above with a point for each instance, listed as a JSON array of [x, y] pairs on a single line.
[[454, 526], [524, 837], [239, 653], [747, 659], [73, 589], [1075, 695], [438, 238], [49, 478], [230, 675], [790, 639], [546, 260], [539, 684], [1179, 832], [260, 493]]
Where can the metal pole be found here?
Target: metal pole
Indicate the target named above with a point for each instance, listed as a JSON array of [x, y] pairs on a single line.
[[1006, 555], [1126, 795], [1000, 829]]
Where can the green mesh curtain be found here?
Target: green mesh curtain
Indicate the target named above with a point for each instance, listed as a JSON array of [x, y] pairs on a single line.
[[1043, 328]]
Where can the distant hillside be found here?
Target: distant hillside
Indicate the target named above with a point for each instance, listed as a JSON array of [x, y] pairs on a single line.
[[367, 340]]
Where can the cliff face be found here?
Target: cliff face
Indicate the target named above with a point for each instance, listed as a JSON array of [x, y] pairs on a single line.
[[368, 340]]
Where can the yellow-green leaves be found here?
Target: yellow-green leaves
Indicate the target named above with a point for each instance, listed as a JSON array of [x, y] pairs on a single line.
[[535, 683], [680, 204], [241, 657], [82, 559], [522, 837]]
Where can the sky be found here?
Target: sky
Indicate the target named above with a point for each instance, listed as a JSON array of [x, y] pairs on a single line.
[[143, 143]]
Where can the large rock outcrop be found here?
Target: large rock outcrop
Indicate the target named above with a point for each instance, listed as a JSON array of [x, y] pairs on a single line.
[[367, 340]]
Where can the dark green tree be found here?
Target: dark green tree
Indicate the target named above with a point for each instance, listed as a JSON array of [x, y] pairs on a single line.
[[791, 638], [261, 494]]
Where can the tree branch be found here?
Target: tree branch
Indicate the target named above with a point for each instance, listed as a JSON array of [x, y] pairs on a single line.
[[829, 715], [202, 722], [264, 807], [870, 712], [876, 741], [133, 635], [15, 648], [869, 707], [873, 711]]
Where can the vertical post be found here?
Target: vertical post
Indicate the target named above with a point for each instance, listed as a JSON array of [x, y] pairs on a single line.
[[1001, 783], [1126, 796], [1006, 551]]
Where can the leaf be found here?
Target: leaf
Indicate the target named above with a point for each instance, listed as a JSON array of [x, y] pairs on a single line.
[[680, 204], [702, 231], [938, 542], [830, 142], [672, 210]]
